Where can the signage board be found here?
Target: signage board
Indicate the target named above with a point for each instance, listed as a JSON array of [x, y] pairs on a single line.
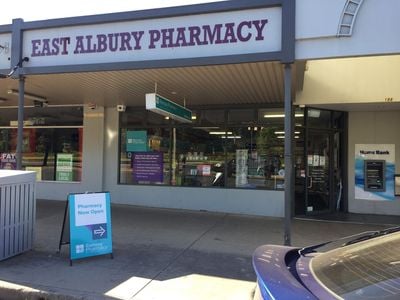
[[64, 166], [136, 141], [374, 172], [5, 50], [228, 33], [165, 107], [89, 225], [147, 166]]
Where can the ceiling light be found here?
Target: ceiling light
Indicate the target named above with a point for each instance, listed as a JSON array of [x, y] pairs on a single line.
[[282, 132], [282, 137], [278, 115], [220, 132]]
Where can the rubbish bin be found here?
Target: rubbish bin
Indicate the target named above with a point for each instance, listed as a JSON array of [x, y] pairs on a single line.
[[17, 212]]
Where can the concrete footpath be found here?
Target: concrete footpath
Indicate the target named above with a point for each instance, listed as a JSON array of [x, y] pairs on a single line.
[[158, 254]]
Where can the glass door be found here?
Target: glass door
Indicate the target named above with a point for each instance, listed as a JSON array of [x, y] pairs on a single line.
[[318, 172]]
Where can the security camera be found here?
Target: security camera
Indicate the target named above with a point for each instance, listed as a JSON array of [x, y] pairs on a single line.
[[121, 108]]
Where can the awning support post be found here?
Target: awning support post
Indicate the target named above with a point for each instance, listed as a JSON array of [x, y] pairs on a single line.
[[289, 179], [20, 131]]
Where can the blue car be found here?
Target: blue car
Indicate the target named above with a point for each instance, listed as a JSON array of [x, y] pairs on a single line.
[[364, 266]]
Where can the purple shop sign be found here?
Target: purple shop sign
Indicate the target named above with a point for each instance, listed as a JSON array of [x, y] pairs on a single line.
[[147, 166]]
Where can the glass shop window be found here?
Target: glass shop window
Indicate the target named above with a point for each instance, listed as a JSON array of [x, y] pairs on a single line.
[[232, 148], [198, 157], [255, 158], [145, 156], [52, 150]]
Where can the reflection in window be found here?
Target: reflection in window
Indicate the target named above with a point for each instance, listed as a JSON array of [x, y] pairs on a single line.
[[198, 157], [51, 145], [255, 158], [54, 153], [246, 154]]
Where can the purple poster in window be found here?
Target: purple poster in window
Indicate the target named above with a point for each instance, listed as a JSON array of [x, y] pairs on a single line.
[[147, 166], [8, 161]]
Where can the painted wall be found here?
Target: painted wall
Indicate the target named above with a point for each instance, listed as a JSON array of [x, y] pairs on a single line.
[[351, 81], [373, 128], [252, 202], [374, 31]]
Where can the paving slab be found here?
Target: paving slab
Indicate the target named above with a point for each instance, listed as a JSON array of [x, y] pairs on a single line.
[[158, 254]]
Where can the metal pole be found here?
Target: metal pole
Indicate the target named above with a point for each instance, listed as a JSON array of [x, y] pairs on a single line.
[[20, 132], [289, 183]]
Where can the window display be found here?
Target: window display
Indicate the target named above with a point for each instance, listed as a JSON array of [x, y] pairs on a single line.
[[247, 153]]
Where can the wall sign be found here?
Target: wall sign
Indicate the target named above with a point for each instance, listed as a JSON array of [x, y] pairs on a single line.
[[367, 157], [199, 35], [89, 225]]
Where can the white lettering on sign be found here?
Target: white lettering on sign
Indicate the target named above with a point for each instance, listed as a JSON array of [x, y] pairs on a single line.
[[90, 209]]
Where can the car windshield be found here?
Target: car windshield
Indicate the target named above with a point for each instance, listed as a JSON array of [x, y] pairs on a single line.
[[365, 270]]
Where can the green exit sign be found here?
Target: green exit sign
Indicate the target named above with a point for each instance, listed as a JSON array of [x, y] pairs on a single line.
[[165, 107]]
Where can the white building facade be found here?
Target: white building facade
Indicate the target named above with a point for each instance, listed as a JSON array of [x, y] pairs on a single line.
[[233, 65]]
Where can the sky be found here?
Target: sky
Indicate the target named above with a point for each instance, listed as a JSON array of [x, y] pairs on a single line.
[[31, 10]]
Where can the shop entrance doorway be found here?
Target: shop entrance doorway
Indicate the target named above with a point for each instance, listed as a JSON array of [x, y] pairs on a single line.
[[318, 177], [319, 185]]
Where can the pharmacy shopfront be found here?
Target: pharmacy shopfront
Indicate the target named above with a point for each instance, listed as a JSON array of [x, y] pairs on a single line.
[[185, 108]]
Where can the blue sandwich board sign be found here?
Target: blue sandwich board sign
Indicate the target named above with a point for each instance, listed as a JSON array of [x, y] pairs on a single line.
[[90, 225]]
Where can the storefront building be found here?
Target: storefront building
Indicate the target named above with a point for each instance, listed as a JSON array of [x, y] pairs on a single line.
[[184, 107]]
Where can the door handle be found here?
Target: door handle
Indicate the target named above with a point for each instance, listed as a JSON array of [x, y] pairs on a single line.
[[310, 186]]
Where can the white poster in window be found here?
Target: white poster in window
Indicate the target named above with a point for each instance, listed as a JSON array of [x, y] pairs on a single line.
[[241, 167], [322, 161], [206, 170], [316, 160], [310, 160]]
